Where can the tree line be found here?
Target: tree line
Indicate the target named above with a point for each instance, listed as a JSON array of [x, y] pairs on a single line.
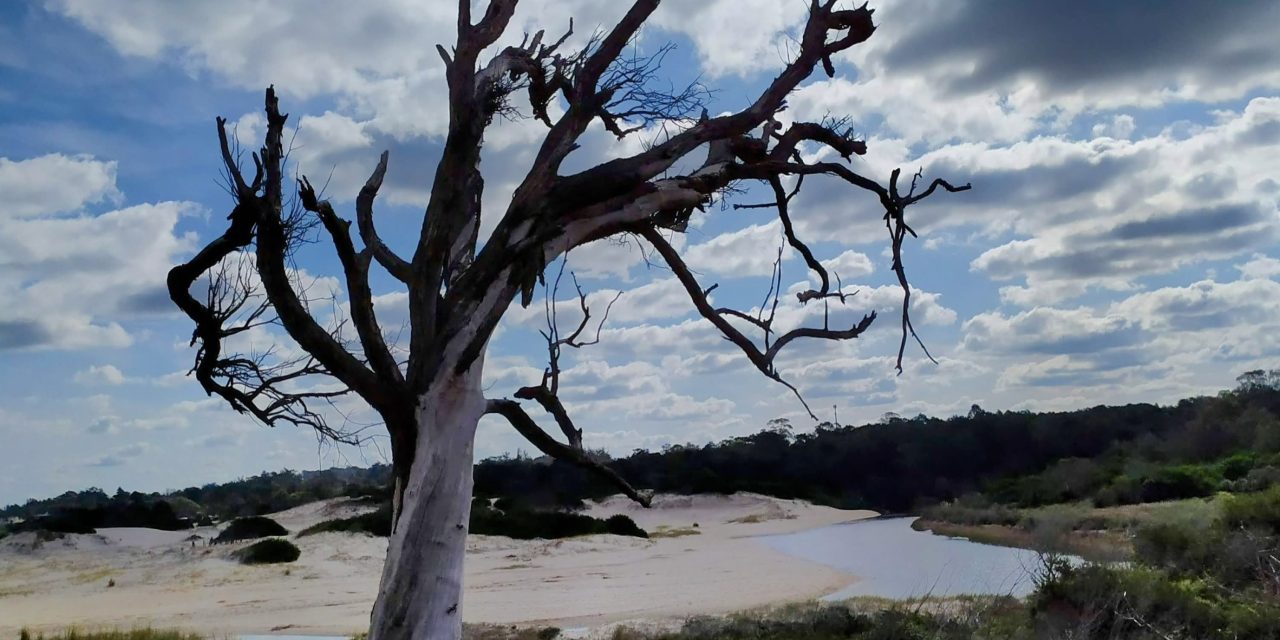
[[1109, 454]]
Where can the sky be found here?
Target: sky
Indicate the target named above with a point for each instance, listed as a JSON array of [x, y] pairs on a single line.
[[1120, 243]]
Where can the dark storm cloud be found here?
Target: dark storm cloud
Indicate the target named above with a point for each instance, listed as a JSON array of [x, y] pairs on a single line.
[[1085, 369], [1139, 247], [1072, 45], [17, 334], [1189, 222], [826, 205], [153, 300], [1049, 331]]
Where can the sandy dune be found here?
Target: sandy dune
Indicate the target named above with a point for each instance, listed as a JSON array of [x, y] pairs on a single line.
[[708, 564]]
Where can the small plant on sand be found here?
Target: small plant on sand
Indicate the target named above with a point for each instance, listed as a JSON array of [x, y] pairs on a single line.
[[269, 551]]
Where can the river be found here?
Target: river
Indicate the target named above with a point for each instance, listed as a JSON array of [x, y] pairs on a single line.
[[892, 560]]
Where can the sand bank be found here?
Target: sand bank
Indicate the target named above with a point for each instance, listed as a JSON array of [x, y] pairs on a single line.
[[703, 559]]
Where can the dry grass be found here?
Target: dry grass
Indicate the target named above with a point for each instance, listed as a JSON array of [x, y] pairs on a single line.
[[673, 532], [507, 632], [113, 634], [1095, 533], [1101, 546]]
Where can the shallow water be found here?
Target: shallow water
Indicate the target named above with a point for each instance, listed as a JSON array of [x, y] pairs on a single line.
[[269, 637], [893, 560]]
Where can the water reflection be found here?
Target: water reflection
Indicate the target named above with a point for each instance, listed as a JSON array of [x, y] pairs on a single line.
[[893, 560]]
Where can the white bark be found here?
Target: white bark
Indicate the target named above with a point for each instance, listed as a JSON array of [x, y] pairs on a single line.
[[420, 597]]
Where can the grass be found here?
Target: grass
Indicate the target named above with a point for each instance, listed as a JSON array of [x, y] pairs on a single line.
[[756, 518], [1094, 533], [856, 619], [146, 633], [665, 531], [93, 575], [506, 632], [1100, 546]]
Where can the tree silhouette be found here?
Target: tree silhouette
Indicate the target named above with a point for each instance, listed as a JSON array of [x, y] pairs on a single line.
[[459, 287]]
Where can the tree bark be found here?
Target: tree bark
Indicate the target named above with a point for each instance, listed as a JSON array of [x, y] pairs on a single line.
[[420, 596]]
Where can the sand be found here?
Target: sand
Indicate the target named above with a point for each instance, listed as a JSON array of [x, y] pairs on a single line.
[[704, 558]]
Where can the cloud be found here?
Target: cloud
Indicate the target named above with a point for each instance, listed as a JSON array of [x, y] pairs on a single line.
[[120, 455], [1205, 305], [1046, 330], [967, 70], [1188, 49], [55, 184], [1260, 266], [748, 36], [108, 425], [69, 281], [850, 264], [100, 374], [750, 251]]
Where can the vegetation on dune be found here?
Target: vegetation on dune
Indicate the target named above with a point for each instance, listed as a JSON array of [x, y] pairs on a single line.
[[259, 495], [374, 523], [123, 511], [1114, 456], [269, 551], [512, 521], [250, 528], [111, 634], [529, 524]]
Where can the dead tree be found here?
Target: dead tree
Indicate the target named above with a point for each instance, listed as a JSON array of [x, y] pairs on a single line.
[[459, 288]]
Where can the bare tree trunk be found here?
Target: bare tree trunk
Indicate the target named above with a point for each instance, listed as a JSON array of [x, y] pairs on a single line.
[[421, 592]]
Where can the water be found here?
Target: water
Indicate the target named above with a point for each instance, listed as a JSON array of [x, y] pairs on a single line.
[[268, 637], [895, 561]]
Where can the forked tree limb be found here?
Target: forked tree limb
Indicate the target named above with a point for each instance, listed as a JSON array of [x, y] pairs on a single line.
[[763, 359], [527, 427], [355, 267], [394, 264]]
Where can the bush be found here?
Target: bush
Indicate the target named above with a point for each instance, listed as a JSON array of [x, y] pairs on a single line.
[[527, 525], [621, 525], [1259, 511], [486, 520], [269, 551], [1172, 483], [250, 528], [377, 523], [1104, 602]]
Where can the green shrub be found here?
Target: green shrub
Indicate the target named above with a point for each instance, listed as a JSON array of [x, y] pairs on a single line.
[[1106, 602], [486, 520], [1174, 547], [269, 551], [250, 528], [527, 525], [1258, 511], [1185, 481], [376, 523], [621, 525]]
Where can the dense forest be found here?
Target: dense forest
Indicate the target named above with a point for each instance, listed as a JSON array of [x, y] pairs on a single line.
[[1110, 455]]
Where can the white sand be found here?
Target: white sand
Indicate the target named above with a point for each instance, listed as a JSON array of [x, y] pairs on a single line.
[[160, 580]]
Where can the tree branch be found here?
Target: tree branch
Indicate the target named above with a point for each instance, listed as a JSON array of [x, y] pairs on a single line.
[[393, 263], [355, 267], [525, 425]]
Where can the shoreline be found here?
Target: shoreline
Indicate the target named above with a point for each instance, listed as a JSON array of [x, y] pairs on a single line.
[[709, 563]]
